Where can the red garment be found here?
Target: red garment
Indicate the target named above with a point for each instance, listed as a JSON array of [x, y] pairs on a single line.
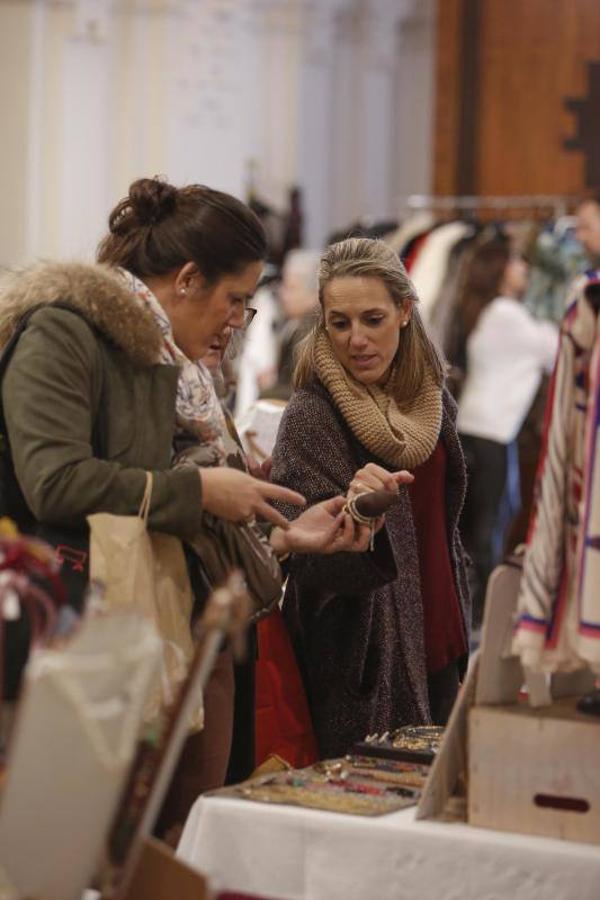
[[283, 723], [444, 632], [235, 895], [413, 250]]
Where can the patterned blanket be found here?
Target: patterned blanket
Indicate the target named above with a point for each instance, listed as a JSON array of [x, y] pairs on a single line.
[[558, 626]]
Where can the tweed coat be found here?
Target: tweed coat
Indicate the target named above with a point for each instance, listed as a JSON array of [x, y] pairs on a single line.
[[356, 620]]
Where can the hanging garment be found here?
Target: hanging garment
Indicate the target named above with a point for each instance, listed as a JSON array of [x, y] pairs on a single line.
[[445, 328], [410, 252], [556, 256], [429, 269], [416, 223], [558, 626]]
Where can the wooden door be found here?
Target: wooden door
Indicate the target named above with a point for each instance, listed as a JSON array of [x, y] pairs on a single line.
[[517, 81]]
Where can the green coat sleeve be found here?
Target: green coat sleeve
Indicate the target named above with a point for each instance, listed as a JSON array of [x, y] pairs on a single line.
[[50, 391]]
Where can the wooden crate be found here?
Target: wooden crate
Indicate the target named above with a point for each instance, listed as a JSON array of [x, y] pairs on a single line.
[[159, 875], [535, 771]]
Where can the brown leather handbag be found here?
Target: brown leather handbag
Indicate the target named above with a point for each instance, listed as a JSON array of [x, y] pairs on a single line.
[[223, 546]]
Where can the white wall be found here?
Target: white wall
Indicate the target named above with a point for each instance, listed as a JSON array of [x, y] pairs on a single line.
[[94, 93], [16, 36]]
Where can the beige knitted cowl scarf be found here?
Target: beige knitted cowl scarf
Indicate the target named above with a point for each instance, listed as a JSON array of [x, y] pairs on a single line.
[[401, 438]]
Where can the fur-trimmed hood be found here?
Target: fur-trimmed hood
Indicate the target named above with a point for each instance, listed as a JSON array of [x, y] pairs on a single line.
[[95, 291]]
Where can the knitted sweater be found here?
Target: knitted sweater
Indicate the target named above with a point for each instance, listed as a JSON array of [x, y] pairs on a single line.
[[356, 620]]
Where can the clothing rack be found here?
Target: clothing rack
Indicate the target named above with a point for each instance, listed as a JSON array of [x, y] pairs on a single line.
[[558, 203]]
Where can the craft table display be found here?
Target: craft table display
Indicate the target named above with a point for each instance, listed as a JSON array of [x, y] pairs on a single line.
[[290, 853]]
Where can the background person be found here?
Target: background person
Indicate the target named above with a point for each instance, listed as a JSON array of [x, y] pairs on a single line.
[[298, 298], [507, 352], [270, 710], [588, 226]]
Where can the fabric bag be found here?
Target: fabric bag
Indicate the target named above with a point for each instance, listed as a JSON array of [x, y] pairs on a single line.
[[283, 723], [147, 571]]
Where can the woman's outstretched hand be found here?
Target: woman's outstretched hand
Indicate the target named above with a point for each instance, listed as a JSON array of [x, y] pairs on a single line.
[[237, 497], [323, 528], [375, 478]]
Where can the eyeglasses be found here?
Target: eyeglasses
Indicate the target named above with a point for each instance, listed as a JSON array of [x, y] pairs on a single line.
[[249, 314]]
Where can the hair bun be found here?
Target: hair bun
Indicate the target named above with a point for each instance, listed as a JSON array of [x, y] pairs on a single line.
[[149, 201], [152, 199]]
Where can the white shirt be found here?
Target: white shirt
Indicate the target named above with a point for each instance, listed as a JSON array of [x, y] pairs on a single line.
[[259, 353], [507, 352]]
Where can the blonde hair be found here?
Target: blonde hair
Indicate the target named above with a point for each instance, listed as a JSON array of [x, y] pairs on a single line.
[[416, 355]]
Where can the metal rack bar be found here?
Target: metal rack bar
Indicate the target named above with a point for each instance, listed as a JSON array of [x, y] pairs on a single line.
[[559, 203]]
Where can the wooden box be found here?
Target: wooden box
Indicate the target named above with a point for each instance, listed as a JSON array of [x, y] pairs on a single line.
[[535, 771], [159, 875]]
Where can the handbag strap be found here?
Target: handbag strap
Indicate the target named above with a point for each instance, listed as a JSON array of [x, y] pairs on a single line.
[[144, 510]]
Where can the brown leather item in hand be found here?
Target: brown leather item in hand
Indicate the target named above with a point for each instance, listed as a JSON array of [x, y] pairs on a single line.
[[374, 503]]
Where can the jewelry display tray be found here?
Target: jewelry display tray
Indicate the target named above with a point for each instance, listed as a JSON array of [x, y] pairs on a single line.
[[386, 750]]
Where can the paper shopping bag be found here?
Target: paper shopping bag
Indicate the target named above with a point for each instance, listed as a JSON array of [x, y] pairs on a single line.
[[147, 571]]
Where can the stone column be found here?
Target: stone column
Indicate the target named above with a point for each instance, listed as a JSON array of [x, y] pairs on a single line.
[[83, 135], [277, 26], [316, 116], [95, 115], [378, 103], [206, 70], [368, 112], [293, 123], [18, 51], [414, 85]]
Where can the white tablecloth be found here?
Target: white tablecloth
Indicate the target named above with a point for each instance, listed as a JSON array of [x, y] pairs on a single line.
[[290, 853]]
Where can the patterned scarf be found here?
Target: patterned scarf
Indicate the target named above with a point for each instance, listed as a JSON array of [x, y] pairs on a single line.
[[558, 624], [401, 438], [199, 420]]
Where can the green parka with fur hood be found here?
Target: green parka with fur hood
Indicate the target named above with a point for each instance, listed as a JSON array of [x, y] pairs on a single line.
[[88, 408]]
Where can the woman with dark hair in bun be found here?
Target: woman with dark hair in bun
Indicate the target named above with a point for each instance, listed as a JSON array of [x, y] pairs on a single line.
[[103, 384], [94, 387]]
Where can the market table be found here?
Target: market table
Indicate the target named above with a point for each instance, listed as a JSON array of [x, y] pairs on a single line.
[[290, 853]]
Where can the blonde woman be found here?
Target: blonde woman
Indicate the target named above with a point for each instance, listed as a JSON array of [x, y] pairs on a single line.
[[381, 637]]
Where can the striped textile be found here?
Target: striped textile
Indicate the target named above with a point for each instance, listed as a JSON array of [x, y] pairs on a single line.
[[558, 624]]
